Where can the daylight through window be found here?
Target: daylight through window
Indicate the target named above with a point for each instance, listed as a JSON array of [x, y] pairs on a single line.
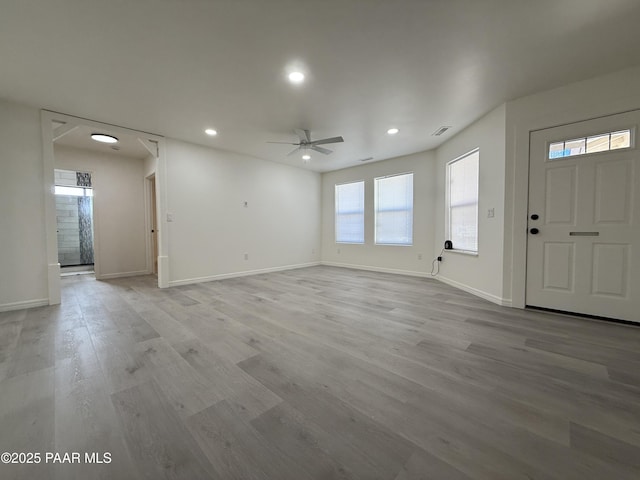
[[394, 210], [462, 192]]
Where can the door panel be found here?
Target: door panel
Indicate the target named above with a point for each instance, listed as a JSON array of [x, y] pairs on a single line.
[[560, 205], [584, 217], [558, 266], [610, 272], [613, 192]]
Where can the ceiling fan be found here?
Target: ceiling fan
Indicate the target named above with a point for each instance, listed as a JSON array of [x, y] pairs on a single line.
[[306, 143]]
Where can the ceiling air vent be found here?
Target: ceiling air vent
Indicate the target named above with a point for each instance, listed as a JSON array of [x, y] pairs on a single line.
[[440, 131], [365, 159]]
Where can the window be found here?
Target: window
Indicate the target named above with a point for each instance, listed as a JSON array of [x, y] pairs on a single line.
[[602, 142], [350, 213], [394, 209], [462, 192]]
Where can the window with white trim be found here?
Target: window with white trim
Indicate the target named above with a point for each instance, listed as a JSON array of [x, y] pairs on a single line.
[[462, 201], [394, 209], [350, 212]]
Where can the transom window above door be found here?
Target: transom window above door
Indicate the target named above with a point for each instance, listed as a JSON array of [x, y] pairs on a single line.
[[602, 142]]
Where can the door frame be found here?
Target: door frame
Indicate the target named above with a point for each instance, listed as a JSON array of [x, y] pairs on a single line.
[[544, 137], [527, 121], [151, 211], [54, 125]]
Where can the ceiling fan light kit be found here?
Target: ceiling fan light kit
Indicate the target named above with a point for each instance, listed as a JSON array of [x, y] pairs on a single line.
[[306, 143]]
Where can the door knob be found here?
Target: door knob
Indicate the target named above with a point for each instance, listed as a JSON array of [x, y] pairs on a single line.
[[534, 216], [534, 231]]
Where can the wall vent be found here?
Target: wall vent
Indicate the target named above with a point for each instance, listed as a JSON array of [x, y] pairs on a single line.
[[440, 131]]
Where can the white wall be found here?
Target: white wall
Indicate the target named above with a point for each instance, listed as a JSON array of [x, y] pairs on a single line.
[[400, 259], [119, 208], [212, 229], [482, 273], [605, 95], [23, 262]]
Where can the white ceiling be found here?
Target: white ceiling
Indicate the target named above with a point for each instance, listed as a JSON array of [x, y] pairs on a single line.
[[176, 67]]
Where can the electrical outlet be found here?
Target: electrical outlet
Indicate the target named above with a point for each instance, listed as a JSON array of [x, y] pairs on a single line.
[[338, 251], [491, 213], [169, 217], [313, 250], [246, 204], [246, 256], [419, 256]]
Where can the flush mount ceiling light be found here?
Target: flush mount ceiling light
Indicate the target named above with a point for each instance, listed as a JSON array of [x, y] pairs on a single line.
[[296, 77], [306, 157], [392, 131], [211, 132], [104, 138]]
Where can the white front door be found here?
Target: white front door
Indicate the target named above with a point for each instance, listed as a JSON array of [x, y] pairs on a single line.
[[583, 251]]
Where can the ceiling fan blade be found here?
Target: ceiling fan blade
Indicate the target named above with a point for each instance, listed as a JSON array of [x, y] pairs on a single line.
[[304, 135], [326, 151], [328, 140], [293, 151], [285, 143]]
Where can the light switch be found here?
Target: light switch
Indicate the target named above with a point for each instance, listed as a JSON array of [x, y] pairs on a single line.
[[491, 213], [169, 217]]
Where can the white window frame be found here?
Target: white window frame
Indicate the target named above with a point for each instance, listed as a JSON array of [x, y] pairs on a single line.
[[572, 155], [448, 225], [375, 209], [73, 191], [335, 195]]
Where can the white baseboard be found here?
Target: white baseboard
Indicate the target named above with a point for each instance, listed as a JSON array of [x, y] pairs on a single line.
[[369, 268], [41, 302], [108, 276], [474, 291], [246, 273]]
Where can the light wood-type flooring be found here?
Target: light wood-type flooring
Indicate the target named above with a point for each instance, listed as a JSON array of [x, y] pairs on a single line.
[[316, 373]]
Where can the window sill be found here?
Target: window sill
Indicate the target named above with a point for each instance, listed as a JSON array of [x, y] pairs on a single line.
[[463, 252]]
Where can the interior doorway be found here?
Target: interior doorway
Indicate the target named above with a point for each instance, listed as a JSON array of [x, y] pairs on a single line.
[[584, 218], [118, 221], [74, 217]]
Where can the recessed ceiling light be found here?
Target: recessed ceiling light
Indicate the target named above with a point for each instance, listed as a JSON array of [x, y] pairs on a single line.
[[211, 132], [296, 77], [104, 138], [392, 131], [306, 157]]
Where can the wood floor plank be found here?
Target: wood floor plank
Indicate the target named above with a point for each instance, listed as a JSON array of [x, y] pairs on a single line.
[[184, 387], [423, 466], [36, 344], [122, 363], [237, 450], [380, 449], [158, 441], [318, 452], [86, 423], [27, 414], [231, 383], [602, 446]]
